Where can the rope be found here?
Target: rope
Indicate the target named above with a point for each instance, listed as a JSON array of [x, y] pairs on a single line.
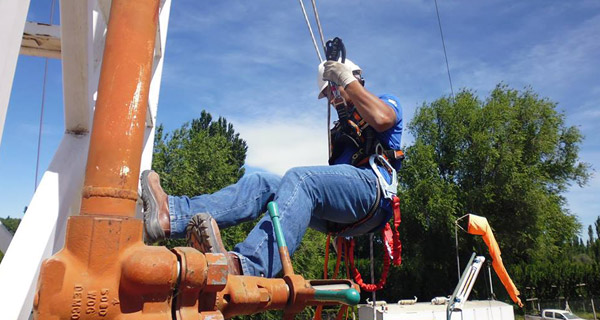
[[444, 45], [312, 36], [41, 126], [373, 294], [310, 31], [314, 5]]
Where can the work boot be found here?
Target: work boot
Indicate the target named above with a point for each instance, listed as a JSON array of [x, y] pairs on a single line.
[[157, 221], [203, 234]]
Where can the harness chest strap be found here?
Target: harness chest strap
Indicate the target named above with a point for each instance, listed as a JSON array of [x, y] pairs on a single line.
[[352, 129]]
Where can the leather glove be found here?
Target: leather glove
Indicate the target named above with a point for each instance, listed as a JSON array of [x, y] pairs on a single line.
[[338, 73]]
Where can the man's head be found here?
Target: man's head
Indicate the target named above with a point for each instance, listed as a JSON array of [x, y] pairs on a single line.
[[322, 84]]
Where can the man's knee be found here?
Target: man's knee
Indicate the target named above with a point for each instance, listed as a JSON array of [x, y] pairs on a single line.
[[267, 179], [296, 174]]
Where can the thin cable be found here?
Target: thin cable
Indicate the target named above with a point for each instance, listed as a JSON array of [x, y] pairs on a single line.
[[41, 126], [371, 236], [444, 45], [37, 162], [312, 35], [314, 5]]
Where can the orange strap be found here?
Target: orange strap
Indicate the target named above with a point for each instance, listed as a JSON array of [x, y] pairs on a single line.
[[319, 309], [339, 244]]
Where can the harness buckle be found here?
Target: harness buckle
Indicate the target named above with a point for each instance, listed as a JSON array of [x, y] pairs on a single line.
[[389, 189]]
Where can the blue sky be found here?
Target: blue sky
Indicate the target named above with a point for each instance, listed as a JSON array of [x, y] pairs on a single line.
[[253, 62]]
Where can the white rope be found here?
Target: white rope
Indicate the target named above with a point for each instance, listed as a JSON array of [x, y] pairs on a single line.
[[318, 23], [310, 30], [312, 36]]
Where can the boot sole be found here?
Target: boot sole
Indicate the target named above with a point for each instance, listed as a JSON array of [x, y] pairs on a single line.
[[151, 224], [202, 233]]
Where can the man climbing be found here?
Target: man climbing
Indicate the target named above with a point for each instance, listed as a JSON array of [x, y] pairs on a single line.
[[349, 197]]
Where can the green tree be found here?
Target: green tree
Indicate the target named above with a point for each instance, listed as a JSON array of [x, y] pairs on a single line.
[[11, 224], [202, 156], [509, 158]]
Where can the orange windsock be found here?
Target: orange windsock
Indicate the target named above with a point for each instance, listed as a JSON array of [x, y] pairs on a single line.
[[480, 226]]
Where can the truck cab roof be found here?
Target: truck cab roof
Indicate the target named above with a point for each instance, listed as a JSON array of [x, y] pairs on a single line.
[[559, 314]]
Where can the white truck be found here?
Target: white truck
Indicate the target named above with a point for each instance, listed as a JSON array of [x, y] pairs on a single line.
[[553, 314]]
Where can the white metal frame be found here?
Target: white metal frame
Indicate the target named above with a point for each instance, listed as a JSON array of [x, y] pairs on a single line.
[[12, 22], [42, 230], [464, 286]]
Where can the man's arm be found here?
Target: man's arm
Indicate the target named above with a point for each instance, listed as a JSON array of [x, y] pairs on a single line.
[[376, 113]]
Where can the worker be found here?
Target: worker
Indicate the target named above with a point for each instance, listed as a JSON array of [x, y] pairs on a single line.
[[345, 198]]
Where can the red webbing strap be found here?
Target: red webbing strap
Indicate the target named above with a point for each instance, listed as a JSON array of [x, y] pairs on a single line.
[[396, 243], [393, 245]]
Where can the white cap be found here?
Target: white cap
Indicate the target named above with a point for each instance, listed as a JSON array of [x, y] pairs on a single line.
[[322, 84]]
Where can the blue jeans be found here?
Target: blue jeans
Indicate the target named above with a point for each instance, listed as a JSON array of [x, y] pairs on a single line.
[[321, 197]]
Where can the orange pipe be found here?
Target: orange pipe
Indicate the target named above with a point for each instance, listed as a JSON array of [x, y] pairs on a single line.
[[116, 142]]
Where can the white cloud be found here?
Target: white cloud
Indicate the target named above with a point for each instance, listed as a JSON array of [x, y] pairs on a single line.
[[277, 144]]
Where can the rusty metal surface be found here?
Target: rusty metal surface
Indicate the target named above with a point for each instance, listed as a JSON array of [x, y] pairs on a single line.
[[119, 120], [192, 279], [217, 273], [246, 295], [105, 271], [286, 261]]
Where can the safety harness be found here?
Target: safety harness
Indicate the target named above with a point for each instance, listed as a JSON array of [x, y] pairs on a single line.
[[351, 130]]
